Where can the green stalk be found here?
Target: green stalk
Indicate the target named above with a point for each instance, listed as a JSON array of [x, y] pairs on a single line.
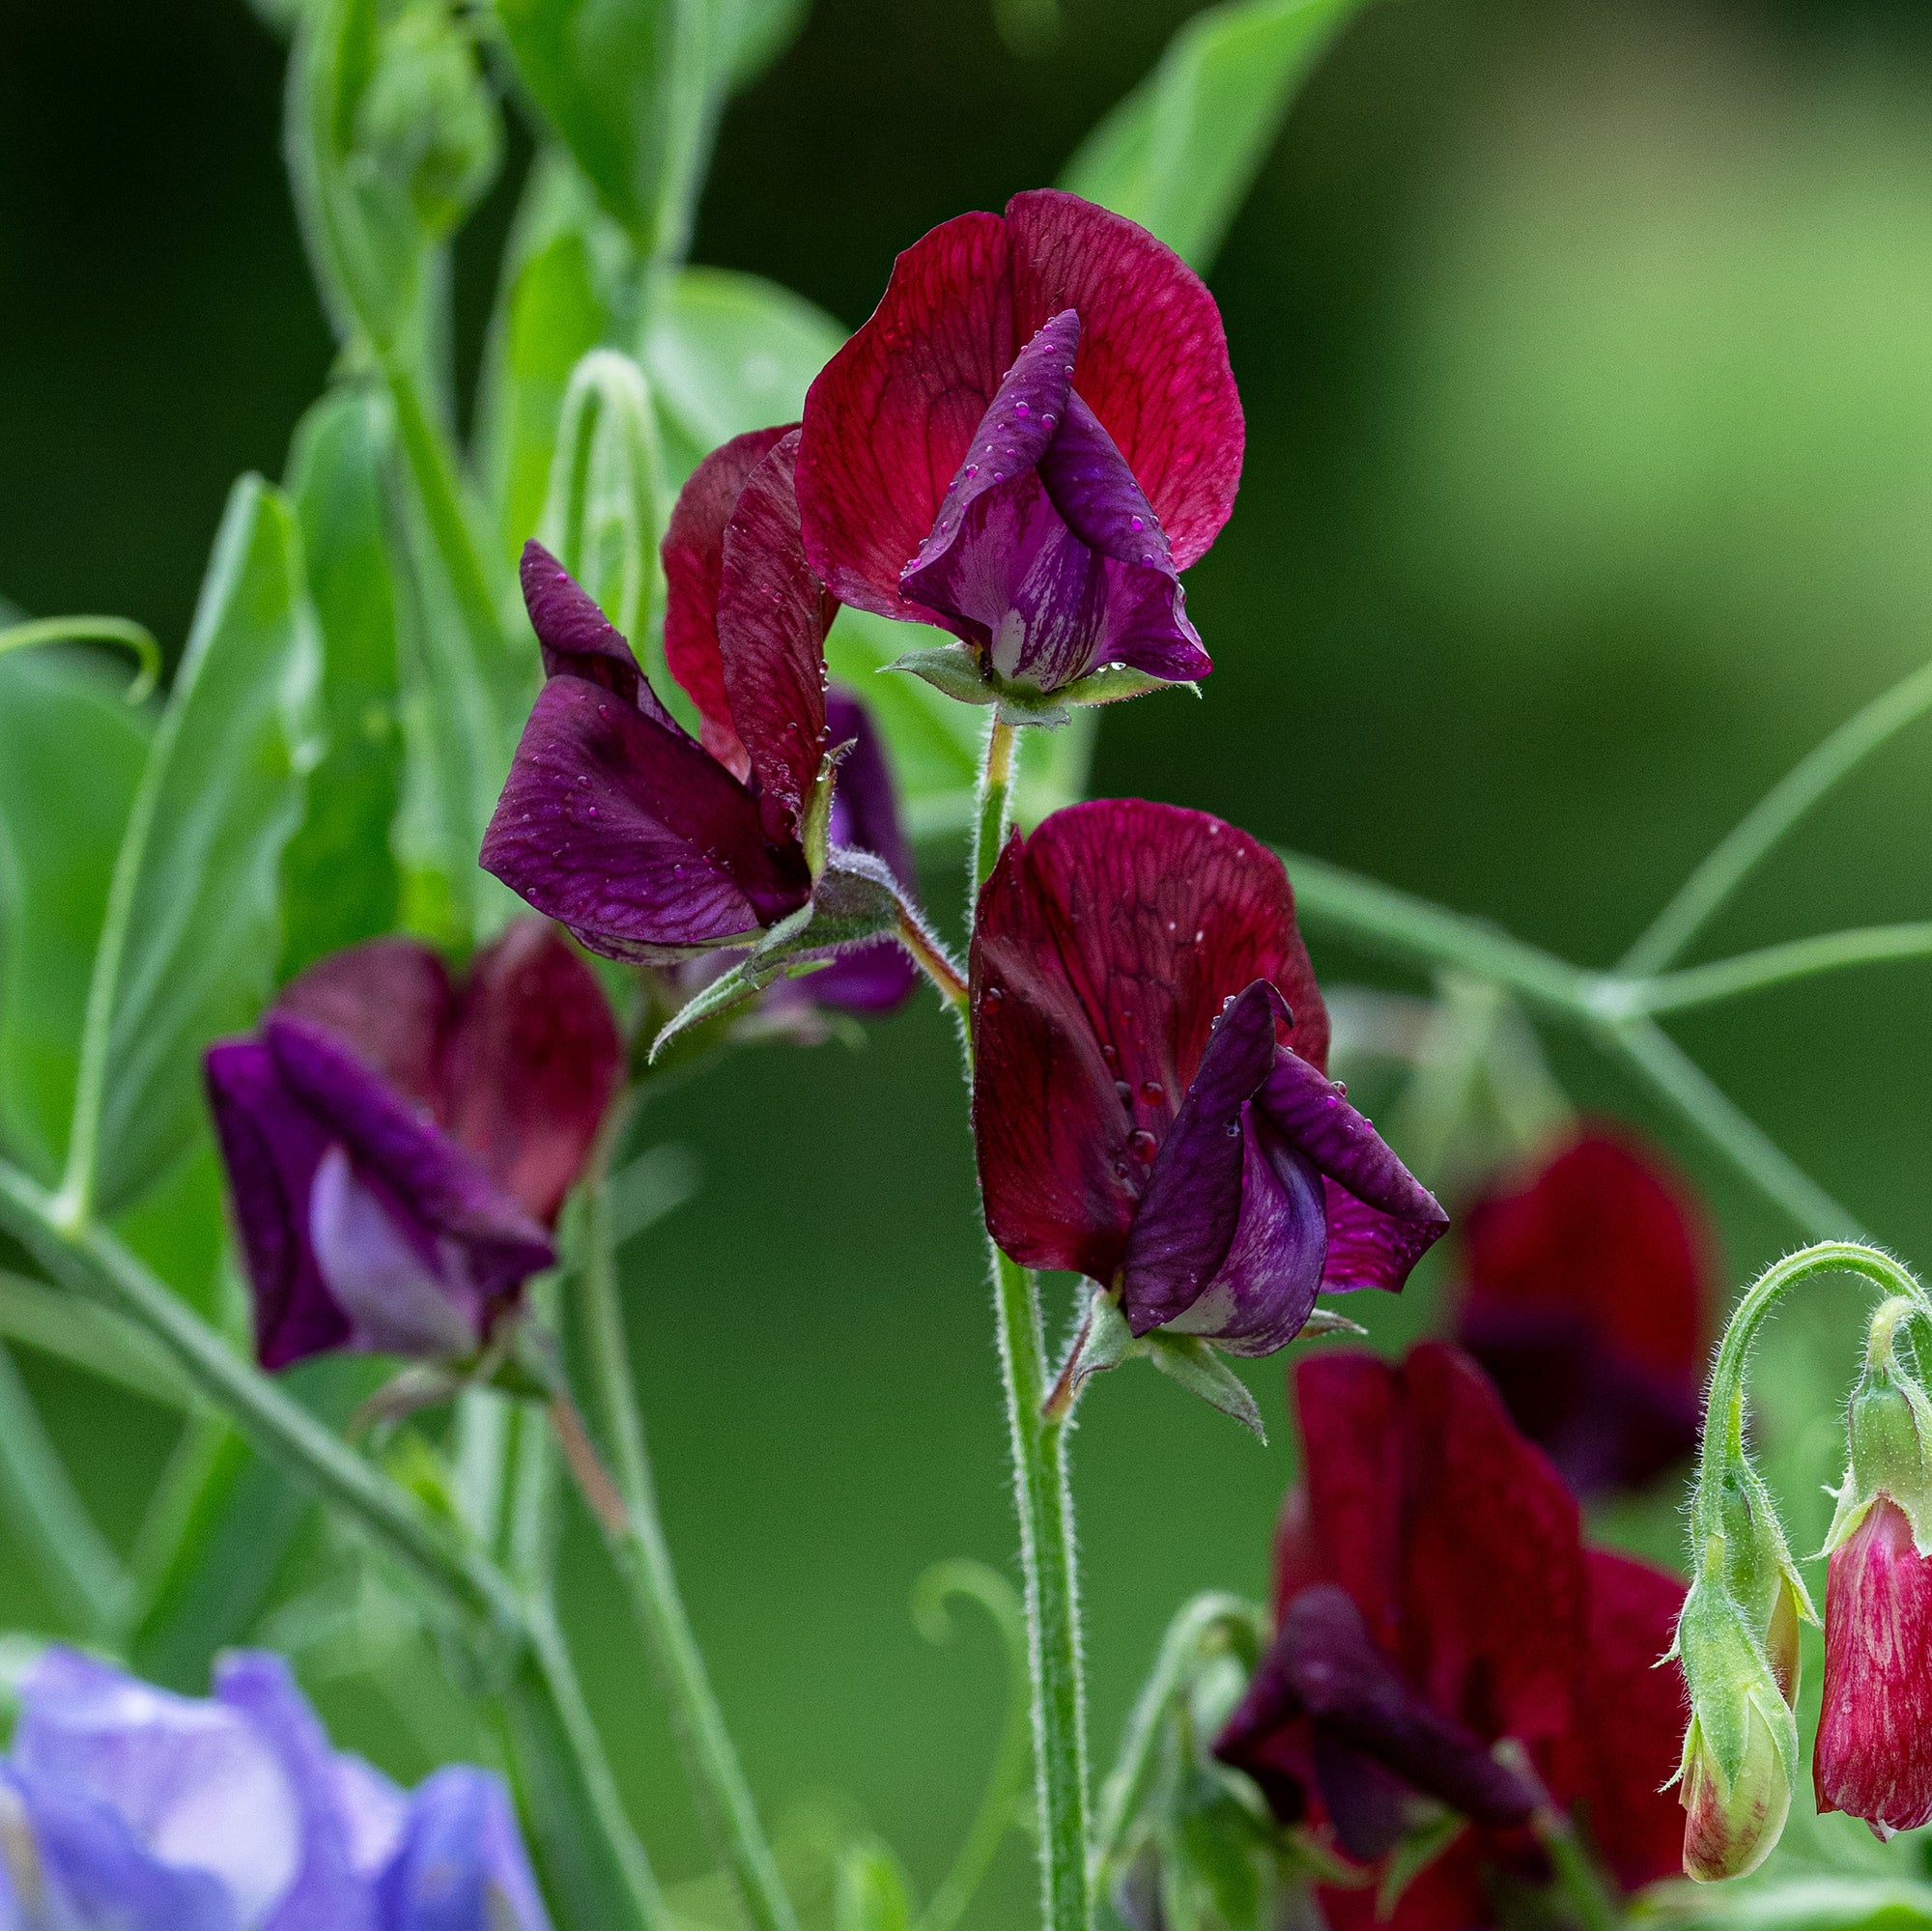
[[137, 637], [626, 1509], [992, 809], [1767, 823], [1779, 965]]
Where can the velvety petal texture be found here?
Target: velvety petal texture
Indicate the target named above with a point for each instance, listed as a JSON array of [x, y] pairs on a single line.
[[1434, 1595], [148, 1811], [394, 1162], [1874, 1751], [1587, 1297], [1033, 434], [1149, 1106]]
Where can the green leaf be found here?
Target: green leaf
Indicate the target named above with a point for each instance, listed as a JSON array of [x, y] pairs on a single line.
[[71, 757], [193, 926], [730, 353], [562, 281], [1803, 1904], [600, 519], [340, 877], [1190, 1360], [86, 1336], [1180, 151]]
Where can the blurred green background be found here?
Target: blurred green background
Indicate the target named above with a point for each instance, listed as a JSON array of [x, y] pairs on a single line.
[[1587, 354]]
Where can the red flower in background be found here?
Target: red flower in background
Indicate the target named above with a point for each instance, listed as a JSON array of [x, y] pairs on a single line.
[[1587, 1298], [1432, 1595]]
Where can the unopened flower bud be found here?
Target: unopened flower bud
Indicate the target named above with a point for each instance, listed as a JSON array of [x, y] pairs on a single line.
[[1874, 1751]]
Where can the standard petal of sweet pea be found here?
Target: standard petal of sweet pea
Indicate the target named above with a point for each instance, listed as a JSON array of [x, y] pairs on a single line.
[[531, 1060], [633, 836], [693, 564], [197, 1785], [890, 419], [773, 615], [391, 1000], [1629, 1716], [1193, 1201], [1153, 355], [461, 1864], [272, 1147], [326, 1893]]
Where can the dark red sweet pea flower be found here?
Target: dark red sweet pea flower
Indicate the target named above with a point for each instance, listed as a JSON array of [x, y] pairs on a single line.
[[1874, 1751], [1034, 433], [655, 847], [1587, 1297], [1433, 1596], [398, 1145], [1137, 1115]]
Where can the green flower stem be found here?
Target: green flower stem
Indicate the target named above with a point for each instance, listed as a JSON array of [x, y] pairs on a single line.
[[626, 1509], [1766, 824], [993, 806], [1052, 1599], [1204, 1619], [1777, 965], [1577, 1877], [51, 1524], [137, 637], [1724, 1403]]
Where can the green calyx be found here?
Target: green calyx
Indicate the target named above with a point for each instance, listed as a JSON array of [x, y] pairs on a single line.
[[1889, 1429], [959, 670]]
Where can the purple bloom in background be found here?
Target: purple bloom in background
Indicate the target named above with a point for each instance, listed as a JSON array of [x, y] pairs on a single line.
[[1034, 433], [124, 1807], [1139, 1113], [398, 1145], [652, 845]]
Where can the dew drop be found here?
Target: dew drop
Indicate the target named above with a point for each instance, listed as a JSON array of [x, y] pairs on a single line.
[[1341, 1087], [583, 778], [1125, 1091], [992, 996], [1234, 1130], [603, 710], [1110, 1053], [1120, 1170], [972, 468], [1142, 1145], [1021, 409], [1135, 525], [593, 812], [1152, 1092]]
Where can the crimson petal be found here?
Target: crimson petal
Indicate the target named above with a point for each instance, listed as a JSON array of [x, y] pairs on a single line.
[[693, 564], [773, 615], [631, 835], [532, 1058]]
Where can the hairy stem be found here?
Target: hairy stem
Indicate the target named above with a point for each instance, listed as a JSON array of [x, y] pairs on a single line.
[[625, 1506], [1766, 824], [993, 810]]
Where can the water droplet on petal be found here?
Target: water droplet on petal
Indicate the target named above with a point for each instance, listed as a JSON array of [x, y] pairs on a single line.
[[1142, 1145], [1234, 1130], [1110, 1053], [992, 996], [1135, 523], [1152, 1092], [1021, 409], [1125, 1091]]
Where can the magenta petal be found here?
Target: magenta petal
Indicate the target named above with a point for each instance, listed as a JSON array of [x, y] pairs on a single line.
[[1368, 1248], [773, 615], [890, 419], [631, 835], [1153, 355], [531, 1063], [693, 564], [272, 1147], [1193, 1200], [391, 999]]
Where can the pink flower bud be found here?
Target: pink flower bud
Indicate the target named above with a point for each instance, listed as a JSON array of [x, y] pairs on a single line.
[[1731, 1829], [1874, 1754]]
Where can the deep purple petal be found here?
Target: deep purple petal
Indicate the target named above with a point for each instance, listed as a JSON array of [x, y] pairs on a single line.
[[576, 638], [633, 836], [1187, 1215], [773, 615], [197, 1785], [272, 1147], [93, 1870], [1381, 1218], [531, 1060], [461, 1865], [1154, 356], [1324, 1666], [890, 419], [391, 1000], [1264, 1292], [325, 1894], [693, 564], [866, 806]]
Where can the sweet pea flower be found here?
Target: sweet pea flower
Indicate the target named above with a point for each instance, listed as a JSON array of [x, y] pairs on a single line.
[[1434, 1596], [1587, 1297], [1135, 972], [124, 1807], [1034, 433], [398, 1143], [654, 846]]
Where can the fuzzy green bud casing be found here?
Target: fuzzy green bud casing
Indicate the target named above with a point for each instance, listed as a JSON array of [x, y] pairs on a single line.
[[1888, 1429], [1741, 1749]]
